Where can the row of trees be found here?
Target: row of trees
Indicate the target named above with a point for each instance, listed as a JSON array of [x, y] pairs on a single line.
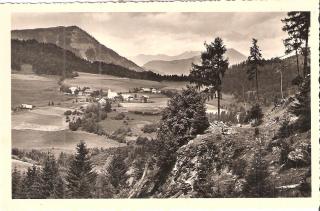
[[47, 181], [208, 76]]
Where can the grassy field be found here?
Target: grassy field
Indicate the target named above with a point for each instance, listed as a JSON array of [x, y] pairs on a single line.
[[44, 118], [63, 140], [117, 84], [35, 90]]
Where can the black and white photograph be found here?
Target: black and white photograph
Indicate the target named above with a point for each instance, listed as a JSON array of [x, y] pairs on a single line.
[[125, 105]]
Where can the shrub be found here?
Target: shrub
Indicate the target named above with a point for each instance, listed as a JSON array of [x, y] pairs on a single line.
[[75, 124], [150, 128], [257, 183], [108, 107], [255, 113], [120, 116], [239, 167], [68, 112]]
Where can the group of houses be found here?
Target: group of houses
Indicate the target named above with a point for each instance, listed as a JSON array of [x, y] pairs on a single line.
[[111, 95]]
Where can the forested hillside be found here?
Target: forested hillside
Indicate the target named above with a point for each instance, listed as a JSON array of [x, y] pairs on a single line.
[[47, 58], [236, 80]]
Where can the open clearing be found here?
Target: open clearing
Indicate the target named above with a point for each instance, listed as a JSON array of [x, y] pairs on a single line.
[[35, 90], [44, 118], [64, 140]]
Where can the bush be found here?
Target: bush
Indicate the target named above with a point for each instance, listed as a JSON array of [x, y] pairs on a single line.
[[75, 124], [150, 128], [108, 107], [239, 167], [255, 113], [68, 112], [120, 116], [121, 133]]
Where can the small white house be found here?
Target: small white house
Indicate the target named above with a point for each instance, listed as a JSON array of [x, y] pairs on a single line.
[[127, 97], [102, 102], [73, 89], [146, 89], [26, 106], [88, 92], [111, 94]]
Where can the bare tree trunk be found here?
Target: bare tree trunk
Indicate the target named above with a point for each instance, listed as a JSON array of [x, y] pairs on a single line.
[[219, 105], [257, 88], [305, 58], [297, 56]]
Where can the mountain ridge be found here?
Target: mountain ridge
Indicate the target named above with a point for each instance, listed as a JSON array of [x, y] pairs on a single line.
[[183, 66], [78, 41]]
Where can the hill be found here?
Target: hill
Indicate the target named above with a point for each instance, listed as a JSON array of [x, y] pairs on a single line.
[[78, 41], [181, 64], [142, 59], [47, 58], [236, 80], [178, 67]]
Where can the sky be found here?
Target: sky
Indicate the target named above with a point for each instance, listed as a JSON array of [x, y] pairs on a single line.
[[130, 34]]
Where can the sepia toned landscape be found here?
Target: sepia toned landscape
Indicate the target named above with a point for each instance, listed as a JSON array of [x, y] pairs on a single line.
[[184, 107]]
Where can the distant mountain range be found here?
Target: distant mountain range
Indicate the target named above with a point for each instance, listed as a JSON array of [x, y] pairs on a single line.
[[78, 41], [181, 64]]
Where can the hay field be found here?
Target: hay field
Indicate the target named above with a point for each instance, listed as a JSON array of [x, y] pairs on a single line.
[[35, 90], [63, 140]]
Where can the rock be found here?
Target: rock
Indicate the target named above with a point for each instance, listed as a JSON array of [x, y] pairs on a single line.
[[298, 157]]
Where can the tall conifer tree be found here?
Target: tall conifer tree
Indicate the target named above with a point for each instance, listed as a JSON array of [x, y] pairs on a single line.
[[211, 71], [80, 178], [254, 61]]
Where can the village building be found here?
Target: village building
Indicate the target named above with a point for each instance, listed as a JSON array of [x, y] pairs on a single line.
[[73, 89], [102, 102], [88, 92], [144, 98], [111, 94], [146, 89], [127, 97], [26, 106]]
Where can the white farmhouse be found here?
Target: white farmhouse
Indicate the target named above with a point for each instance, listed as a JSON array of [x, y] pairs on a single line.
[[73, 89], [102, 102], [26, 106], [127, 97], [111, 94], [146, 89]]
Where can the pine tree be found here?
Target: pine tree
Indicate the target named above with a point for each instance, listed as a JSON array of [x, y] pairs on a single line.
[[80, 176], [16, 183], [297, 26], [59, 188], [211, 71], [302, 108], [49, 175], [254, 61], [31, 184]]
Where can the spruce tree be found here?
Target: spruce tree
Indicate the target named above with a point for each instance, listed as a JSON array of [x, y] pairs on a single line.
[[302, 108], [254, 61], [31, 187], [59, 188], [49, 175], [211, 71], [16, 183], [297, 26], [80, 178]]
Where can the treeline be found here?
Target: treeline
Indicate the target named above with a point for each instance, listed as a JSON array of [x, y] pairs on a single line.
[[236, 80], [50, 59]]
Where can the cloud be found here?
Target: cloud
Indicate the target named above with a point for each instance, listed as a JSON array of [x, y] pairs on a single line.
[[168, 33]]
